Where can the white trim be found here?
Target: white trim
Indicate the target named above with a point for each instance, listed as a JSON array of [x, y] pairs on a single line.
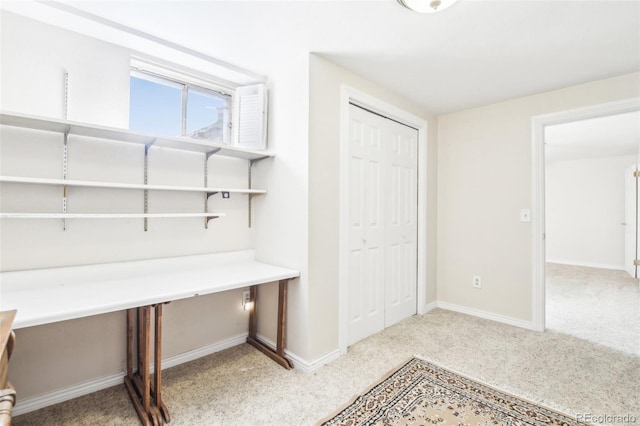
[[300, 363], [516, 322], [310, 366], [538, 227], [203, 351], [28, 405], [24, 406], [165, 72], [429, 307], [349, 94], [343, 249], [538, 124], [587, 264]]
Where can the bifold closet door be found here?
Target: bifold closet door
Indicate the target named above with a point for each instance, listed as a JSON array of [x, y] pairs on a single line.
[[401, 222], [382, 260]]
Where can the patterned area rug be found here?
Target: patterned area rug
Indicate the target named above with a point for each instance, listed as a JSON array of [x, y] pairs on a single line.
[[420, 393]]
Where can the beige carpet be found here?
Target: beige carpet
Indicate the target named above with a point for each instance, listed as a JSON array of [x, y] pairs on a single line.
[[599, 305], [241, 386], [420, 393]]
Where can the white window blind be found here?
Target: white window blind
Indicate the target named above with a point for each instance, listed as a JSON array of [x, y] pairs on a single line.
[[250, 117]]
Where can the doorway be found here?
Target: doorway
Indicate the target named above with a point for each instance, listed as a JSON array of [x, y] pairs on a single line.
[[382, 211], [631, 222], [590, 191], [590, 210], [584, 268]]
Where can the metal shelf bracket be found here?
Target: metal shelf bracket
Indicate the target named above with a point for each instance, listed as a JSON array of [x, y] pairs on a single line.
[[250, 198], [208, 218], [146, 181], [206, 180], [65, 164]]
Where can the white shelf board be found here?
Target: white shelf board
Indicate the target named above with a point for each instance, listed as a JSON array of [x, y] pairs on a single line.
[[124, 135], [105, 215], [112, 185]]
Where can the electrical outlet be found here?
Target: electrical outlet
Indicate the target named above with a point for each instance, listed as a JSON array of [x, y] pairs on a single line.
[[247, 304], [477, 281]]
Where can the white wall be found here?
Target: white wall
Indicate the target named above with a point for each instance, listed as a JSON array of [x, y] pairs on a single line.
[[484, 179], [47, 358], [585, 206], [281, 233]]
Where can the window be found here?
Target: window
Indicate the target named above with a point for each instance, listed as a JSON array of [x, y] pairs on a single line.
[[166, 107]]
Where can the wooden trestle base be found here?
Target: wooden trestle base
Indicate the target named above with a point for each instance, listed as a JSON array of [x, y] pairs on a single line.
[[145, 393], [278, 354]]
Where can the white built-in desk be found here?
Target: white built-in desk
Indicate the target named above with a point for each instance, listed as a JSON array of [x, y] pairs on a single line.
[[44, 296]]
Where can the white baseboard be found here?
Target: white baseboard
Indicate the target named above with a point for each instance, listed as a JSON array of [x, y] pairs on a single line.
[[27, 405], [24, 406], [587, 264], [204, 351], [325, 359], [310, 366], [429, 307], [487, 315], [302, 364]]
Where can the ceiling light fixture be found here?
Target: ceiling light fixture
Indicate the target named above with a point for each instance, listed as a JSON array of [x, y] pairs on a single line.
[[426, 6]]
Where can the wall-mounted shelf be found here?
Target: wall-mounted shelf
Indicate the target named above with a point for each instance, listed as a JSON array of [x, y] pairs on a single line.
[[107, 215], [123, 135], [111, 185], [96, 132]]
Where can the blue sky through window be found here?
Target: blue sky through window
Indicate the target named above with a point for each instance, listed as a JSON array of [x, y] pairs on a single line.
[[155, 108]]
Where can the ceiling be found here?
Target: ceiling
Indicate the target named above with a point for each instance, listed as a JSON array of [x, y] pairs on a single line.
[[476, 52], [609, 136]]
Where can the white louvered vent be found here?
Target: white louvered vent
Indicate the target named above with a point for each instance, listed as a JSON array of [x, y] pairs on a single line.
[[250, 117]]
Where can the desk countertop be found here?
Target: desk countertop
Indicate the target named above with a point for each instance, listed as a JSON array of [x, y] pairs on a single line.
[[43, 296]]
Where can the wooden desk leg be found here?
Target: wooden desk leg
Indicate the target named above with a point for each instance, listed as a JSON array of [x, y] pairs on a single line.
[[129, 378], [130, 357], [253, 313], [139, 384], [282, 317], [278, 354], [144, 341], [157, 379]]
